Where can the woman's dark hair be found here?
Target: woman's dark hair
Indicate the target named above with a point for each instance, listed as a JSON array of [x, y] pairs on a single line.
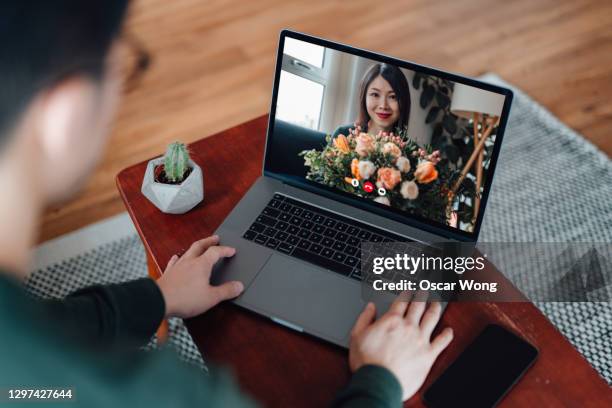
[[399, 84], [42, 42]]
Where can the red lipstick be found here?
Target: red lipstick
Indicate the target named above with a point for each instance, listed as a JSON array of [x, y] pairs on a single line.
[[383, 115]]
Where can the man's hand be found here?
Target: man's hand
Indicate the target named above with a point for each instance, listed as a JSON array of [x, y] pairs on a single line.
[[399, 341], [185, 283]]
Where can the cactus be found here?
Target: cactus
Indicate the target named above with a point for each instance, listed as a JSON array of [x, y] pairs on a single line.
[[176, 162]]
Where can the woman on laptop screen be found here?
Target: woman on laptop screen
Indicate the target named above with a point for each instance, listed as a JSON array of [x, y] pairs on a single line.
[[384, 102], [342, 121]]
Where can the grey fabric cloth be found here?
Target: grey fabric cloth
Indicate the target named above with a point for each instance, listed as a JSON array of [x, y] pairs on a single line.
[[550, 185]]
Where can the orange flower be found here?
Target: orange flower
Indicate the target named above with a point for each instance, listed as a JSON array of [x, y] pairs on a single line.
[[365, 144], [389, 177], [348, 180], [425, 172], [355, 169], [342, 144]]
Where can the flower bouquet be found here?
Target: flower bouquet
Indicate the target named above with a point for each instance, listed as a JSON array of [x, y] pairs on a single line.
[[409, 174]]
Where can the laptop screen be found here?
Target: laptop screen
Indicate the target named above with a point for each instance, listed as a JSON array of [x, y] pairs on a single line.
[[389, 135]]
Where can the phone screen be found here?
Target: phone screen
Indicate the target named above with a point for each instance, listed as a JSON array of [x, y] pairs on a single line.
[[484, 372]]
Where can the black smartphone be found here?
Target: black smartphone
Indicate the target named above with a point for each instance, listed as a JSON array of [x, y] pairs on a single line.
[[484, 372]]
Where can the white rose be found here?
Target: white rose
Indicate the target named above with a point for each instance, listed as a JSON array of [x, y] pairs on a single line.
[[383, 200], [392, 149], [403, 164], [366, 169], [409, 190]]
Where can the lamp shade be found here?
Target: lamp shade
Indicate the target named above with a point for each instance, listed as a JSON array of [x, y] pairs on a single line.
[[468, 99]]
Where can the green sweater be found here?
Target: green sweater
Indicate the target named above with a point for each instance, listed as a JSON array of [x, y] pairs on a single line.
[[346, 130], [88, 342]]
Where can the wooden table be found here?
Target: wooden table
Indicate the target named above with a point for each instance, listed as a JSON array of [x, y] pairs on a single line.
[[282, 368]]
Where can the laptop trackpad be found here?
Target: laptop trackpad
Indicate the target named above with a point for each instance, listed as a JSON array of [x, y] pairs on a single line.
[[318, 301]]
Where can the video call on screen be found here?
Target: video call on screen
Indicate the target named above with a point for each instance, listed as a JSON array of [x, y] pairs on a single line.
[[380, 132]]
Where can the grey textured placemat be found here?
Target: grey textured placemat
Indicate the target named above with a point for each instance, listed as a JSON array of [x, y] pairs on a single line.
[[551, 185]]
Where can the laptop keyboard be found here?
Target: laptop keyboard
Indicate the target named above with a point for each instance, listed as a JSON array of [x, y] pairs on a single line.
[[315, 235]]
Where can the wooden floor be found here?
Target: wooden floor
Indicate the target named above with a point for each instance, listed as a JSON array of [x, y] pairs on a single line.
[[214, 60]]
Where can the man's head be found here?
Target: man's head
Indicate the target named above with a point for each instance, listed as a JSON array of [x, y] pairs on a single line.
[[59, 85]]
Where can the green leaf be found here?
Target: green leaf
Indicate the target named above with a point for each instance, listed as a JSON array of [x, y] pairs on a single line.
[[467, 188], [426, 96], [432, 115], [450, 124], [436, 136], [416, 80], [443, 100], [451, 152]]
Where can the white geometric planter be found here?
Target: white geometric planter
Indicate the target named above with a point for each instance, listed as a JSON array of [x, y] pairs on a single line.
[[173, 198]]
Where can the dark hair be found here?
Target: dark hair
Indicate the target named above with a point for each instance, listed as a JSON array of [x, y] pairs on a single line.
[[43, 42], [399, 84]]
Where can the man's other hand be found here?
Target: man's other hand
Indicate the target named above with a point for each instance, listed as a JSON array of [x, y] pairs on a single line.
[[400, 340]]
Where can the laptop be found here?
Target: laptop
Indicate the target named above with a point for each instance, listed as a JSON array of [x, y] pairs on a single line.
[[327, 185]]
